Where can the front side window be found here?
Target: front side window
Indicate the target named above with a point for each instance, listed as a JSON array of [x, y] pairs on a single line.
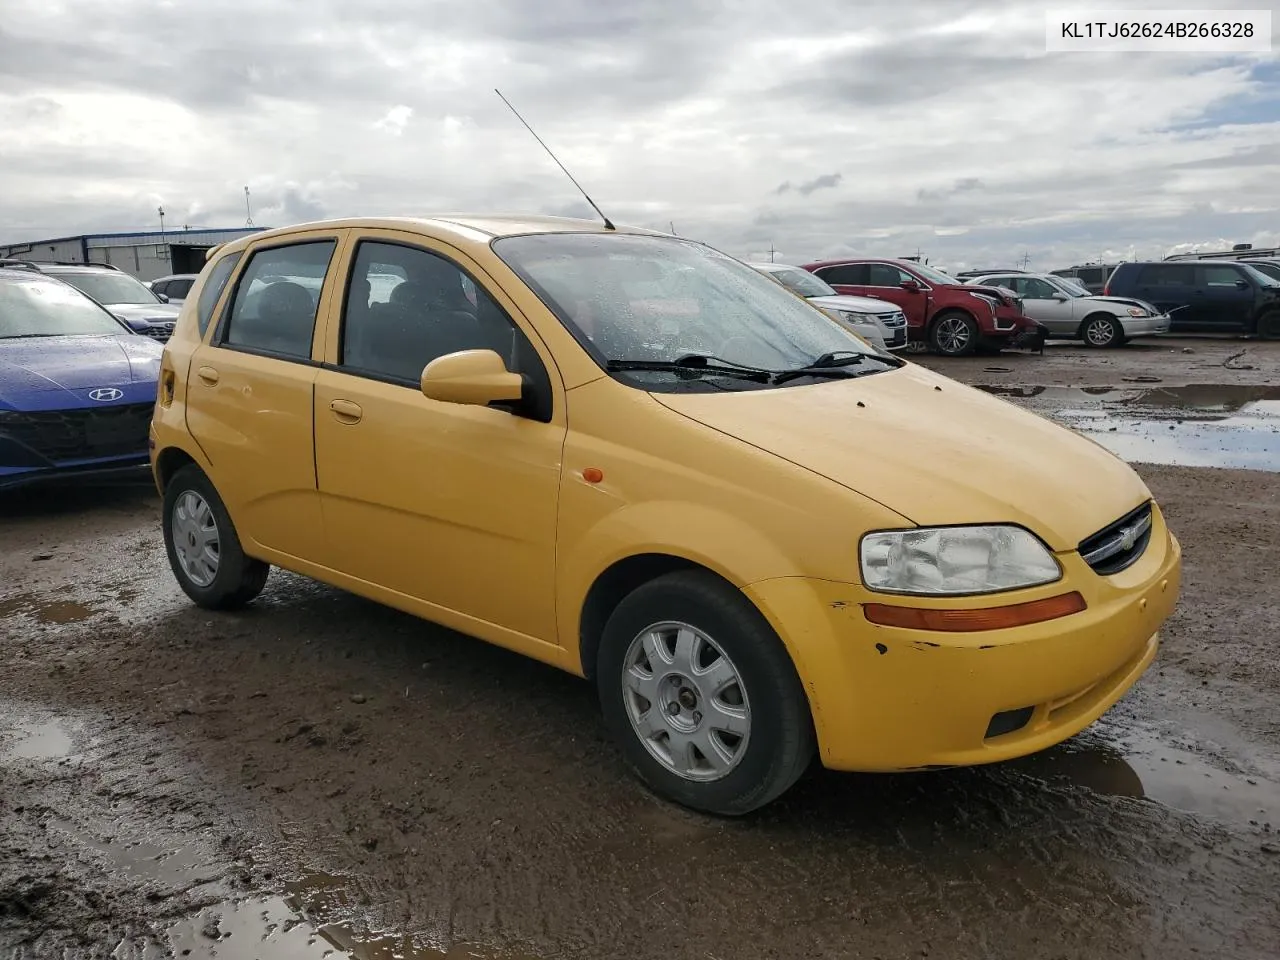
[[1221, 276], [277, 298], [40, 307], [111, 288], [886, 275], [652, 300], [405, 307], [213, 290], [1033, 288]]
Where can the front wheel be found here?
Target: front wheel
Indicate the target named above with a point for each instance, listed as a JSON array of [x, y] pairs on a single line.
[[954, 334], [1269, 325], [203, 546], [1102, 330], [702, 696]]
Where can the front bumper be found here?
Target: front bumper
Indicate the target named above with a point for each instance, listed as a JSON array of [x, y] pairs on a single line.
[[889, 698], [1145, 326]]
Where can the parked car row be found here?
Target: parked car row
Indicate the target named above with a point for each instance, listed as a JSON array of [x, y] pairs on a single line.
[[124, 295]]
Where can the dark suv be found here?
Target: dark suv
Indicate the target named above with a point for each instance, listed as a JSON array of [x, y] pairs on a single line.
[[1204, 295]]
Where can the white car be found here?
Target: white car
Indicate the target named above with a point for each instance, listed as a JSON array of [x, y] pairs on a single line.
[[1070, 312], [880, 323], [175, 286]]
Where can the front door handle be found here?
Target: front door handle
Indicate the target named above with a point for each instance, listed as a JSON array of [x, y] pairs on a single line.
[[208, 375], [346, 411]]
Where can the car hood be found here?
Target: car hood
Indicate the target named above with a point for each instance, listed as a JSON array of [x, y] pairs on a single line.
[[159, 312], [855, 304], [1126, 301], [932, 450], [40, 365]]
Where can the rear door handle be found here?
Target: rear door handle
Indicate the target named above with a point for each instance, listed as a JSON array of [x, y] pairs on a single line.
[[208, 375], [346, 411]]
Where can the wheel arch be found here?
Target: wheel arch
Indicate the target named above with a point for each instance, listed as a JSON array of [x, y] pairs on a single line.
[[168, 462], [613, 584]]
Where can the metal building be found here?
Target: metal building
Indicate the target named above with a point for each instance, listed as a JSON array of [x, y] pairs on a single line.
[[148, 255]]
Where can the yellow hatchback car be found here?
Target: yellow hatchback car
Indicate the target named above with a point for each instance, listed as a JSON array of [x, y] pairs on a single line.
[[632, 457]]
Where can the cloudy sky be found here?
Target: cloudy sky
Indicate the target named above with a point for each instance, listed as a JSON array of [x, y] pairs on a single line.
[[819, 127]]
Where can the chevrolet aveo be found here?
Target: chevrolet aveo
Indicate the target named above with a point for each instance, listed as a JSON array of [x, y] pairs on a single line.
[[632, 457]]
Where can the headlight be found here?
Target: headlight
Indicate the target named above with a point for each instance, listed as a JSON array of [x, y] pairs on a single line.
[[850, 317], [1137, 312], [950, 561]]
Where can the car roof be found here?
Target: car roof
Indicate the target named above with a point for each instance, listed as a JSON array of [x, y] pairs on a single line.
[[760, 265], [463, 228], [74, 268], [906, 264]]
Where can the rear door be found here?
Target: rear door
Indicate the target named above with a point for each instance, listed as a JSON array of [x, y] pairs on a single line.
[[1170, 286], [1224, 296], [250, 392], [847, 278]]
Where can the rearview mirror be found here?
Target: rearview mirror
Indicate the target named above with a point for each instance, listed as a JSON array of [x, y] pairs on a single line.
[[474, 377]]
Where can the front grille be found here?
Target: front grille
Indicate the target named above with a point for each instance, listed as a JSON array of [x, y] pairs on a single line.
[[1119, 545], [82, 434], [160, 330], [892, 319]]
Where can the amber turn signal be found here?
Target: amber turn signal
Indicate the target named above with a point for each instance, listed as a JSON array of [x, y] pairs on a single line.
[[982, 618]]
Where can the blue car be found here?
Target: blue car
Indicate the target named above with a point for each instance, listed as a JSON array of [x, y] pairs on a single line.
[[77, 386]]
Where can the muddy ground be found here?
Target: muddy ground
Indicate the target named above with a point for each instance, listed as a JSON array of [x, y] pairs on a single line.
[[320, 774]]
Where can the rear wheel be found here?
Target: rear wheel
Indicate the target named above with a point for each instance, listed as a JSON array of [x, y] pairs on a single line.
[[1101, 330], [702, 696], [203, 547], [954, 334]]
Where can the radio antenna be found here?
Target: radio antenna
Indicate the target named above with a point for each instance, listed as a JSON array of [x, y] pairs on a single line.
[[608, 224]]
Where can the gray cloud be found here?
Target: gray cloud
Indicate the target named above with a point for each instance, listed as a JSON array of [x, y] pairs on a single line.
[[942, 117], [824, 182]]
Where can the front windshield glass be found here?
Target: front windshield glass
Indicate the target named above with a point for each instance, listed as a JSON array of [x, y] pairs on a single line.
[[47, 308], [111, 288], [802, 282], [1259, 276], [1070, 286], [932, 275], [658, 299], [1272, 270]]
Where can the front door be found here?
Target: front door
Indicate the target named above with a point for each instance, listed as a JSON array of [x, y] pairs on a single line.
[[250, 395], [448, 504], [1044, 302], [1224, 297]]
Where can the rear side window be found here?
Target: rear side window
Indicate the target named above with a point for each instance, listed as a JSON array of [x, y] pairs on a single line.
[[1093, 275], [277, 299], [851, 274], [213, 290], [1167, 275]]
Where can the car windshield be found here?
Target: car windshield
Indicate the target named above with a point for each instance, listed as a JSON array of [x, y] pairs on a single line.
[[630, 298], [1272, 270], [111, 288], [1070, 286], [801, 281], [1260, 277], [936, 277], [40, 307]]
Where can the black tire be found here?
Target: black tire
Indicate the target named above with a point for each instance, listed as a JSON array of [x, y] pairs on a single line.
[[1269, 325], [1101, 330], [238, 578], [953, 334], [780, 743]]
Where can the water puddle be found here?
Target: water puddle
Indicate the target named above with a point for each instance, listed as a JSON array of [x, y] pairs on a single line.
[[44, 610], [1145, 766], [36, 740], [1202, 425], [294, 927]]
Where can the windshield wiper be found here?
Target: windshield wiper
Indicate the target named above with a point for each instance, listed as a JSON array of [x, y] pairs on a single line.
[[695, 363], [833, 365]]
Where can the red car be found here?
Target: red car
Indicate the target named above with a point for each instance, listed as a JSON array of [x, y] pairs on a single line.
[[953, 318]]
